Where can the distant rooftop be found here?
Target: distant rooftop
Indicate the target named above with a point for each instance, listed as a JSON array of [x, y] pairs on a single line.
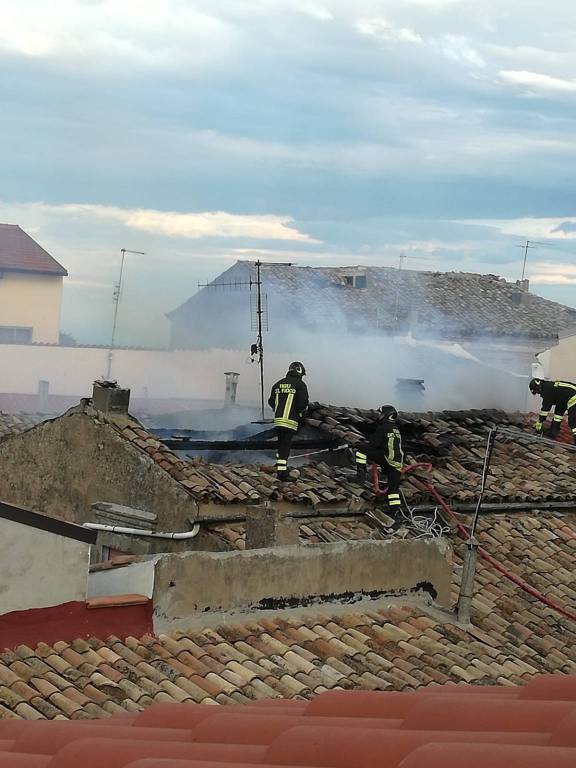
[[385, 299], [21, 253]]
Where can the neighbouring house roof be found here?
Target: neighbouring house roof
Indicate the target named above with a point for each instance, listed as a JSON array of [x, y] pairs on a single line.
[[454, 304], [20, 253], [303, 652], [44, 523]]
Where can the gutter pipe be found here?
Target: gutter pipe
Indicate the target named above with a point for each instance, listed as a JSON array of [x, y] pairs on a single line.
[[143, 532]]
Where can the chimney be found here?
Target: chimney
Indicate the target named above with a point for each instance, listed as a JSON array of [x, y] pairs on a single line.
[[524, 285], [42, 400], [108, 397], [231, 387]]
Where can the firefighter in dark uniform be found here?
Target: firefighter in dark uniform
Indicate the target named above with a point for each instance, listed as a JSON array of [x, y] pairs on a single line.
[[384, 447], [558, 394], [289, 401]]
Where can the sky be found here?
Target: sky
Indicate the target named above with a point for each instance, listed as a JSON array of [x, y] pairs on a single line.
[[322, 132]]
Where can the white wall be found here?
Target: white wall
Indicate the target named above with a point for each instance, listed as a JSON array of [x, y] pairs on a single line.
[[164, 373], [134, 579], [360, 371], [39, 569], [32, 301]]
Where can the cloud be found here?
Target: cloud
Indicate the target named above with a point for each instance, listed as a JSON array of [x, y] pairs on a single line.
[[381, 29], [141, 33], [458, 48], [553, 274], [538, 81], [184, 225], [558, 228]]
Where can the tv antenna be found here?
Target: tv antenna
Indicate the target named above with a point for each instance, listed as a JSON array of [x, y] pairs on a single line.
[[259, 316], [401, 259], [116, 301], [529, 244]]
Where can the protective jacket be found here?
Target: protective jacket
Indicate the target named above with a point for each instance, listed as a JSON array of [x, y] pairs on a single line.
[[558, 394], [384, 438], [289, 401]]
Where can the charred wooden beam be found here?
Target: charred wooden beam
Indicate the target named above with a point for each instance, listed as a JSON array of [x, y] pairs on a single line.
[[185, 444]]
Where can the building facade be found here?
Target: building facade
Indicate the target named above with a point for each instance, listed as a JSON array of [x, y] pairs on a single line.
[[31, 284]]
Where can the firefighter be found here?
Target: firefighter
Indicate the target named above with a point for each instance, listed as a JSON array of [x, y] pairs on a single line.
[[384, 447], [558, 394], [289, 401]]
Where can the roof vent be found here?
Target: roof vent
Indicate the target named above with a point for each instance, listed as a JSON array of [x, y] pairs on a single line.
[[108, 397]]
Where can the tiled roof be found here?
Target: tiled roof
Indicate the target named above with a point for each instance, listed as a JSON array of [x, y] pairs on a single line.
[[18, 251], [443, 303], [312, 531], [453, 442], [240, 483], [523, 469], [532, 727], [13, 423], [303, 652]]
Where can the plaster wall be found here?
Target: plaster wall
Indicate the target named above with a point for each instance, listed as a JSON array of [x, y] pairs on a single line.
[[147, 373], [62, 467], [134, 579], [32, 301], [205, 582], [39, 569]]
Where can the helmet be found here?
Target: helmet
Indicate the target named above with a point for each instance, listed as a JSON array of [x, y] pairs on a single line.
[[297, 368], [388, 413], [535, 386]]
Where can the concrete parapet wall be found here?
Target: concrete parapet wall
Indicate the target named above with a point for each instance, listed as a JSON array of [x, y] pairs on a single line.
[[204, 582]]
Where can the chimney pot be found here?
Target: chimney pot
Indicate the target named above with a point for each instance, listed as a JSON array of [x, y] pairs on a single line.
[[231, 388], [108, 397]]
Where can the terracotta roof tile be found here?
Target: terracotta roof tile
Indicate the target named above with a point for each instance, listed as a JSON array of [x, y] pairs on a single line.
[[18, 251]]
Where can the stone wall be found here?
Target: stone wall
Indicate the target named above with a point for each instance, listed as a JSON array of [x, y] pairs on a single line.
[[198, 583], [62, 467]]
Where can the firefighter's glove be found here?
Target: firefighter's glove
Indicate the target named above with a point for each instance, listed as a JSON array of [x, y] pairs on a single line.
[[538, 427]]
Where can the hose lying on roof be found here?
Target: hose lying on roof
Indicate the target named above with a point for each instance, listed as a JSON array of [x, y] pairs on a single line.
[[465, 533]]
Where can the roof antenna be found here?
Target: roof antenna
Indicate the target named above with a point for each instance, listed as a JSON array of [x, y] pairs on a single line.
[[471, 554], [116, 301]]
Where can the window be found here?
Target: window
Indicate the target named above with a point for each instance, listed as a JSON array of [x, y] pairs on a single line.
[[13, 335], [357, 281]]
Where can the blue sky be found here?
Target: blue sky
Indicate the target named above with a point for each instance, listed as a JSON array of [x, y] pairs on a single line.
[[316, 131]]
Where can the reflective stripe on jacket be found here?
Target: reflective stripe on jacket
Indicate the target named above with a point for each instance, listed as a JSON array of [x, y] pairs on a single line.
[[289, 400]]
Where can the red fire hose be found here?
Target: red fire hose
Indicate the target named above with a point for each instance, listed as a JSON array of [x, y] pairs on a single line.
[[465, 533]]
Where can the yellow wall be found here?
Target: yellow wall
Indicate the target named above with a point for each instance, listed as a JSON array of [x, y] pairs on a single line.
[[32, 301]]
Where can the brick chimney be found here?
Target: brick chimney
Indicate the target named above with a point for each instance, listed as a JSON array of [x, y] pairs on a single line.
[[108, 397]]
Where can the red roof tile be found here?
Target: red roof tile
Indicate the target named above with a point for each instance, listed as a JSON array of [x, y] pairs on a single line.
[[19, 252], [525, 728]]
